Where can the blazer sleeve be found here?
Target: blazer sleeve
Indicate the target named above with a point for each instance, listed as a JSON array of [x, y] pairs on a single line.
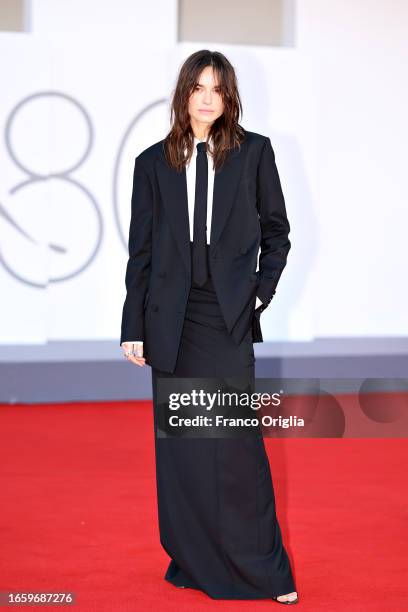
[[139, 262], [275, 226]]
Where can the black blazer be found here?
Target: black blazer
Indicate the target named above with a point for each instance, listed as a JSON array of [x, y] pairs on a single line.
[[248, 213]]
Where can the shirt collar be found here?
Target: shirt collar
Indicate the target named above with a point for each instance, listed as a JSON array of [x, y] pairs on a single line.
[[196, 140]]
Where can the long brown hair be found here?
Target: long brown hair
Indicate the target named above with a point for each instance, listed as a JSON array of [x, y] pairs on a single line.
[[225, 132]]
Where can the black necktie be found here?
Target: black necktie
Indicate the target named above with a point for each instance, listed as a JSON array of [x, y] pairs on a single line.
[[200, 265]]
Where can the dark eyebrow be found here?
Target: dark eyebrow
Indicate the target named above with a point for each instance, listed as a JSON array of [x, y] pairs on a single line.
[[201, 85]]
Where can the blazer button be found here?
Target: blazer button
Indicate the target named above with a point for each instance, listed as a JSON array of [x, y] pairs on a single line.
[[155, 307], [243, 250]]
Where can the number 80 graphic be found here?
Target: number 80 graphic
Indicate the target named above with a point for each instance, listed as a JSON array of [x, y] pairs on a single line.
[[51, 199]]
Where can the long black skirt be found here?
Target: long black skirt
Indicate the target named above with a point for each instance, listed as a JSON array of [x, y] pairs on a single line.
[[216, 504]]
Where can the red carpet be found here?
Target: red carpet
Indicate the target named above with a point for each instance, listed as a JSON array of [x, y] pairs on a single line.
[[78, 513]]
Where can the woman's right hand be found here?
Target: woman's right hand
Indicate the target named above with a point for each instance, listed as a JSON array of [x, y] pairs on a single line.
[[137, 349]]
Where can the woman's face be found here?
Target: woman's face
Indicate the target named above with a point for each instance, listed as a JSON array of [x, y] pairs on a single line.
[[205, 103]]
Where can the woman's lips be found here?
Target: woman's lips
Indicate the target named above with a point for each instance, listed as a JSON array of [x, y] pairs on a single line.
[[202, 110]]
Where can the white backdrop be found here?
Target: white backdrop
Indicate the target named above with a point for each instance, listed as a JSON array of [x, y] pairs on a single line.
[[83, 98]]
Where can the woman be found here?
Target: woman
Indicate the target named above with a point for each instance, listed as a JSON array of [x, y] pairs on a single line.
[[204, 200]]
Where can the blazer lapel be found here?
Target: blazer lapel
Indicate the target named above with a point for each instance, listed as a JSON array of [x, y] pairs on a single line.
[[226, 183], [173, 190]]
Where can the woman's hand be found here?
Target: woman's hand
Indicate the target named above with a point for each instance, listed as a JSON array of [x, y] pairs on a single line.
[[133, 351]]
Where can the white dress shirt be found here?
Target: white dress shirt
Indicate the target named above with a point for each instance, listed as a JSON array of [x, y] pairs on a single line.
[[191, 179]]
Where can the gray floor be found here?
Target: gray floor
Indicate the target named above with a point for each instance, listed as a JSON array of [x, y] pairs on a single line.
[[94, 371]]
